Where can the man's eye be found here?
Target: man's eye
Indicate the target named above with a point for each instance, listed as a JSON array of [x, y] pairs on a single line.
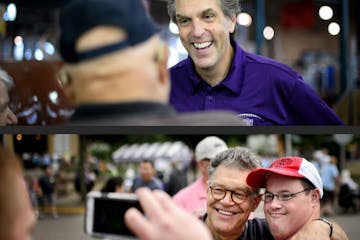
[[240, 195], [209, 16], [285, 196], [268, 196], [218, 190], [182, 21]]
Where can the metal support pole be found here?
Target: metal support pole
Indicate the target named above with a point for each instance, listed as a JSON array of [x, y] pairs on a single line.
[[82, 154], [344, 40], [288, 144], [260, 24]]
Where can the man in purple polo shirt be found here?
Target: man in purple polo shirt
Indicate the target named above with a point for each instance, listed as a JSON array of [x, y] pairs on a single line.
[[218, 74], [193, 197]]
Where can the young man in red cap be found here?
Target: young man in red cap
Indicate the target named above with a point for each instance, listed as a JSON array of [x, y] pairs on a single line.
[[292, 197]]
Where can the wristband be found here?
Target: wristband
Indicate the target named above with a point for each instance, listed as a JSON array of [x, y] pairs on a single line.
[[328, 223]]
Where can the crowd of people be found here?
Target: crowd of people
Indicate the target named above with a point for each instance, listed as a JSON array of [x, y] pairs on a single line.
[[229, 190], [232, 193], [291, 188], [339, 188]]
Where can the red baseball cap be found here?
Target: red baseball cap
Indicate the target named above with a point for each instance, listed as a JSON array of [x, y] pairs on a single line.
[[287, 166]]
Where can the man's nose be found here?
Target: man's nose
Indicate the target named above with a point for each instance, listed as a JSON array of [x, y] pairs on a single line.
[[227, 200], [198, 28], [275, 203]]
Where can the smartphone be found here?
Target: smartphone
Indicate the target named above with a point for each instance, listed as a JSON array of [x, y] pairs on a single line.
[[104, 215]]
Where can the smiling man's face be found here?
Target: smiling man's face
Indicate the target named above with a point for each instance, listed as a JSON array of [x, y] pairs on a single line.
[[285, 218], [225, 217], [204, 32]]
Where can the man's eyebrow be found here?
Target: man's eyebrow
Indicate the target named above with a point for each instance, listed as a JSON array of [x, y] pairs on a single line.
[[180, 16], [237, 188], [208, 11]]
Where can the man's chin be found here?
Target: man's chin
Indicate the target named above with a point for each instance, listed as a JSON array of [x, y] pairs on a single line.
[[224, 226], [203, 64]]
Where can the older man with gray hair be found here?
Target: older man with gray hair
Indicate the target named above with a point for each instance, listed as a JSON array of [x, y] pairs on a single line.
[[7, 117], [230, 200]]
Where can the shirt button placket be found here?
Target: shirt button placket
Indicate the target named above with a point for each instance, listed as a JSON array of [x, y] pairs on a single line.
[[209, 102]]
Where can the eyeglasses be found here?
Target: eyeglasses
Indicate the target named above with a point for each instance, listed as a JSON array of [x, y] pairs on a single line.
[[284, 196], [219, 193]]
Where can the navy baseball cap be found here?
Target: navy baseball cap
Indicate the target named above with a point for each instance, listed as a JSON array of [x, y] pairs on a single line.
[[79, 16]]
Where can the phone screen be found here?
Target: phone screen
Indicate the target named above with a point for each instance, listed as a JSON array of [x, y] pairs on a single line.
[[108, 216]]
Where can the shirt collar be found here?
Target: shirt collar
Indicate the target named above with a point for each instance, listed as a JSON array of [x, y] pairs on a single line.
[[196, 80], [233, 80], [124, 109], [235, 77]]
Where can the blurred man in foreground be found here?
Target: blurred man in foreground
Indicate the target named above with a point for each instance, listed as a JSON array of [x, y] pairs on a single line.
[[17, 218]]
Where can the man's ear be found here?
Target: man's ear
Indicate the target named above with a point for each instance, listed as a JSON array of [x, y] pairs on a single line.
[[315, 195], [164, 77], [232, 23], [67, 84], [256, 202]]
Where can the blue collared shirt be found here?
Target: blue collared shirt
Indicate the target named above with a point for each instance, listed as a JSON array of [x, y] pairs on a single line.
[[258, 89]]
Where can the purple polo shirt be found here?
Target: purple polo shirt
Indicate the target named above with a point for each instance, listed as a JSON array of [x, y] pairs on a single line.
[[259, 89]]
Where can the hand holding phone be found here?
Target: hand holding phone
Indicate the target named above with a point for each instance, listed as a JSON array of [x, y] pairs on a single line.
[[163, 219], [105, 214]]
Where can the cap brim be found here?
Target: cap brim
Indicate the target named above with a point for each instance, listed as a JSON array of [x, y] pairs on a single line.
[[256, 178], [211, 154]]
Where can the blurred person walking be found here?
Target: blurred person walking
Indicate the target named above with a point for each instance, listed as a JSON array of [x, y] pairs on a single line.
[[177, 179], [349, 192], [146, 177], [193, 197], [330, 177], [113, 184], [48, 185], [35, 192]]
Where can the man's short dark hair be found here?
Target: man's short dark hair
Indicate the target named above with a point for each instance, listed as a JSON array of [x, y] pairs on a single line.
[[148, 161]]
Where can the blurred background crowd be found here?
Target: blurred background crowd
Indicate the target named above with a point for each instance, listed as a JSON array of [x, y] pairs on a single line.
[[63, 166]]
